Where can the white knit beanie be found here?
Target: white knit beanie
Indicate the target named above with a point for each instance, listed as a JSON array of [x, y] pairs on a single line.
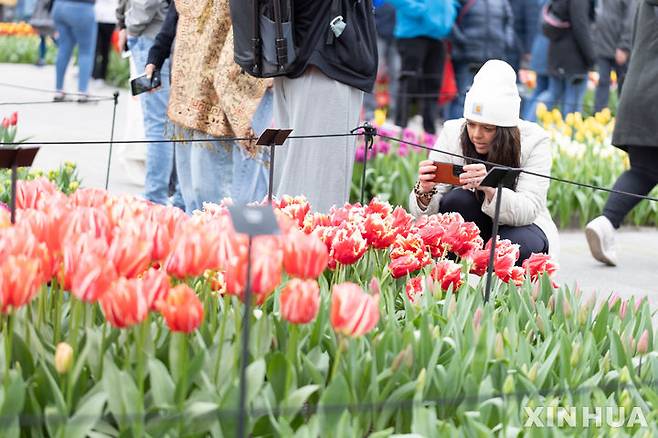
[[494, 98]]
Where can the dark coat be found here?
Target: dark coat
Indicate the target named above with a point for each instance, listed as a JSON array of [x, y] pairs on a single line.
[[573, 52], [485, 32], [613, 26], [637, 117]]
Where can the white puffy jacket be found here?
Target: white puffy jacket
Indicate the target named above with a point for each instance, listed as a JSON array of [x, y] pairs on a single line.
[[524, 206]]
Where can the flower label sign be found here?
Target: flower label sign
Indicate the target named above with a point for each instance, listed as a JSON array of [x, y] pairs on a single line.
[[254, 220]]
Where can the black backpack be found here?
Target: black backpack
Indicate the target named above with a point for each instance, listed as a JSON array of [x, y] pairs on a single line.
[[263, 36]]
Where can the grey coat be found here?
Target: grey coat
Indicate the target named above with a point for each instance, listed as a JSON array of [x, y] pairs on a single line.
[[613, 26], [637, 116]]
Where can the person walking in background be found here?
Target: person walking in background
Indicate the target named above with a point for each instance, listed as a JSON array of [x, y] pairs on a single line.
[[526, 14], [538, 64], [106, 19], [612, 45], [75, 23], [484, 30], [635, 132], [42, 21], [211, 99], [420, 29], [139, 22], [389, 59], [568, 25], [335, 70]]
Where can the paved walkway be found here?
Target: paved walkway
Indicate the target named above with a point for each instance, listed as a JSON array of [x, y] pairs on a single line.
[[637, 273]]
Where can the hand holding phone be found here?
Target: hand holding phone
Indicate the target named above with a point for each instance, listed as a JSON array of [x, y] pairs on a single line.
[[447, 173], [143, 83]]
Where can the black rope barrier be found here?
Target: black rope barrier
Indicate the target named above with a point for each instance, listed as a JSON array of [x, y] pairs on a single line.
[[51, 91]]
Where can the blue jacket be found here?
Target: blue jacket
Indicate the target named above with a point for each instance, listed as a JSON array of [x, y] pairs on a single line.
[[424, 18]]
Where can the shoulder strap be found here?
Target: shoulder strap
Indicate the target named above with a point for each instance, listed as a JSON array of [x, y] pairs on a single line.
[[464, 10]]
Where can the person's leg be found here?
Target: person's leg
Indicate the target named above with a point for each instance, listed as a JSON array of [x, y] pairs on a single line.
[[464, 79], [250, 176], [211, 167], [574, 92], [65, 42], [602, 94], [103, 42], [98, 56], [159, 156], [555, 93], [411, 58], [320, 169], [469, 206], [83, 24], [530, 238], [393, 72], [641, 178], [431, 84], [530, 112], [621, 77], [184, 175], [42, 50]]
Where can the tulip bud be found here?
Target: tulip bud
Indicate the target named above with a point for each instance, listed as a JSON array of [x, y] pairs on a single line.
[[643, 342], [566, 308], [452, 306], [626, 401], [420, 381], [624, 376], [477, 319], [638, 303], [605, 363], [614, 299], [499, 348], [508, 385], [575, 354], [540, 324], [63, 357], [583, 313], [551, 304], [532, 374], [623, 309], [536, 289]]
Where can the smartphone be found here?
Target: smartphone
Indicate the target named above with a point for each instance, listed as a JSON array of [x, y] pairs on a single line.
[[142, 84], [448, 173]]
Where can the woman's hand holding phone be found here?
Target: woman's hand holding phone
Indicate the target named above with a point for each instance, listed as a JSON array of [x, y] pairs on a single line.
[[473, 176], [148, 71], [426, 171]]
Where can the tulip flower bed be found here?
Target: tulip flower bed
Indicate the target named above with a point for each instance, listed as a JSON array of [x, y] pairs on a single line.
[[581, 152], [123, 318]]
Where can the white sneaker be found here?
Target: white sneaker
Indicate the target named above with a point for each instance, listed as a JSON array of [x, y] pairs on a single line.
[[601, 239]]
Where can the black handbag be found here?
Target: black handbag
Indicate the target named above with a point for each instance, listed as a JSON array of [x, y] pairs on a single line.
[[42, 19]]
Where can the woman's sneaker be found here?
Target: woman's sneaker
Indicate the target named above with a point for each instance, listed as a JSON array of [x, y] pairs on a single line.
[[601, 239]]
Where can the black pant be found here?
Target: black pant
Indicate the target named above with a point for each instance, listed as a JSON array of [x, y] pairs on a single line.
[[102, 58], [641, 178], [421, 75], [530, 238]]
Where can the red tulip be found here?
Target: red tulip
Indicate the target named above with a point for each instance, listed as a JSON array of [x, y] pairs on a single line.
[[304, 256], [315, 220], [353, 312], [404, 265], [89, 197], [295, 207], [537, 264], [88, 220], [416, 287], [92, 277], [13, 120], [517, 275], [182, 309], [348, 245], [447, 273], [20, 281], [84, 245], [410, 245], [507, 253], [130, 251], [300, 301], [402, 221], [30, 194], [5, 123], [462, 238], [156, 287], [191, 254], [379, 231], [379, 207], [124, 304]]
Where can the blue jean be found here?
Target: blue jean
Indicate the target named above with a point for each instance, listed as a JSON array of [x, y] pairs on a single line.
[[566, 93], [159, 156], [76, 25], [538, 95], [464, 74], [250, 175], [205, 170]]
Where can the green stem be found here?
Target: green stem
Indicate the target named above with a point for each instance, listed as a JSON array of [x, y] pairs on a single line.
[[339, 352], [102, 352], [183, 348], [76, 306], [292, 345], [142, 333], [58, 315], [222, 328], [41, 310], [9, 334]]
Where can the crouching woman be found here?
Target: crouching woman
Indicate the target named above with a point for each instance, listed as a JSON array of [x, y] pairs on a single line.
[[492, 131]]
